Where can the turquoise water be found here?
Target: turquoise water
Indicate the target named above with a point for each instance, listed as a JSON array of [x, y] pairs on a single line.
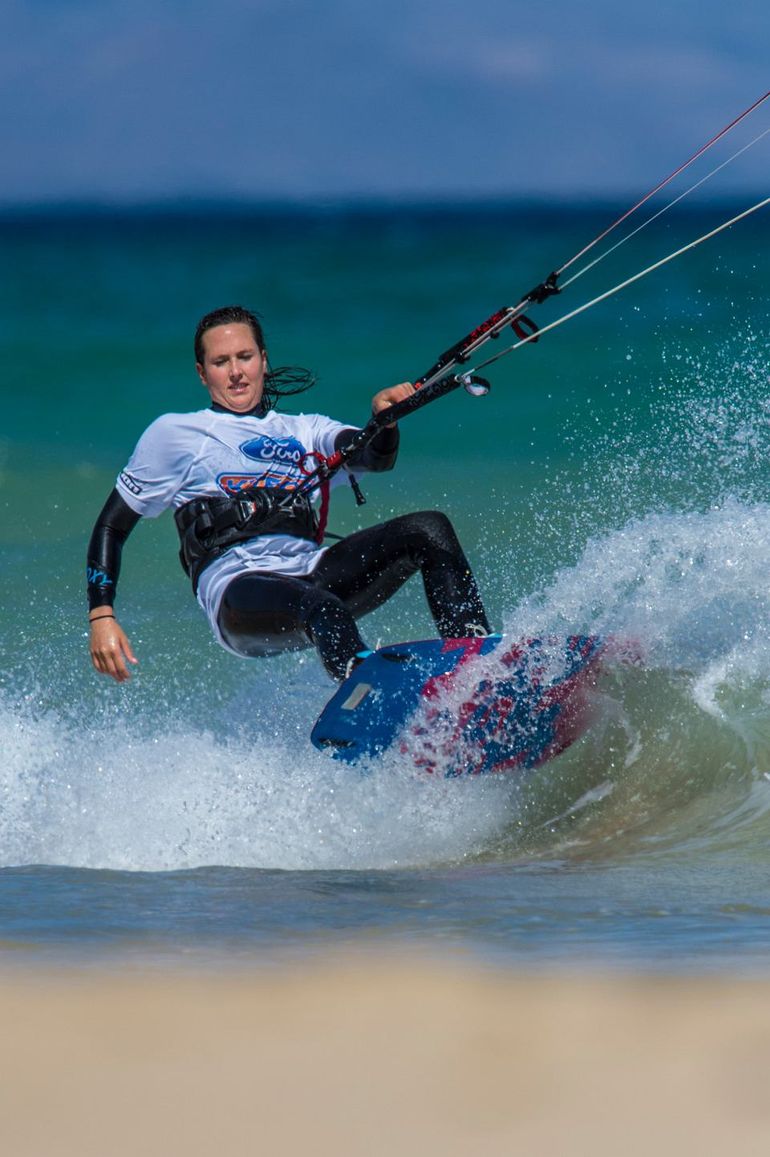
[[614, 480]]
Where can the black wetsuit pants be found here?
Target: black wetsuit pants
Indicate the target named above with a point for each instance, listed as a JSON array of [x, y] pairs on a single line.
[[264, 613]]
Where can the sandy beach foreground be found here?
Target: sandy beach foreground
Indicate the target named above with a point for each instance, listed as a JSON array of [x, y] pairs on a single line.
[[399, 1057]]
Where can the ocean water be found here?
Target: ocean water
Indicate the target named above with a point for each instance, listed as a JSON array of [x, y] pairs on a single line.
[[615, 480]]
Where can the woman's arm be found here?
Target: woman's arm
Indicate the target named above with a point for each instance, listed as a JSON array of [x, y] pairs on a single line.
[[381, 453], [109, 646]]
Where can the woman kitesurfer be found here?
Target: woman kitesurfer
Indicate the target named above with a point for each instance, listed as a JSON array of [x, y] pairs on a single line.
[[248, 542]]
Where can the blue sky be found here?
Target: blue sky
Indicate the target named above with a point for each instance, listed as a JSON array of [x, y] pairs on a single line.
[[160, 99]]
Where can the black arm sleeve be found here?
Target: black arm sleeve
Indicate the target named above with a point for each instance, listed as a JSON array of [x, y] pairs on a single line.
[[112, 528], [380, 454]]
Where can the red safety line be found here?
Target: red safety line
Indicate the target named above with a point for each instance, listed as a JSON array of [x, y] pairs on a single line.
[[663, 183]]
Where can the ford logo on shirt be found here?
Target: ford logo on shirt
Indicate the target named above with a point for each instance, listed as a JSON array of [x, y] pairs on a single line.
[[287, 451]]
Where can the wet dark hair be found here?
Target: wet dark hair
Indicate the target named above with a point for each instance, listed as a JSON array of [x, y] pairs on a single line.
[[279, 382]]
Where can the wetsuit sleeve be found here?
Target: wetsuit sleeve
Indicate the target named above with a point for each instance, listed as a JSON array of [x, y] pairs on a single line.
[[112, 528], [380, 454]]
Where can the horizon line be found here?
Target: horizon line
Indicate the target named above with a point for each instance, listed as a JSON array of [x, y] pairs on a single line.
[[191, 206]]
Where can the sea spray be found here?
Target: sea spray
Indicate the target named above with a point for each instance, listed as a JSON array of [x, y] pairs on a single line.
[[174, 795], [677, 740]]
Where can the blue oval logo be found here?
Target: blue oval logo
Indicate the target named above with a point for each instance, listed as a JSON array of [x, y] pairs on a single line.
[[287, 451]]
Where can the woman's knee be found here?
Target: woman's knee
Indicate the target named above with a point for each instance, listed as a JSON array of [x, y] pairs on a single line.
[[433, 527]]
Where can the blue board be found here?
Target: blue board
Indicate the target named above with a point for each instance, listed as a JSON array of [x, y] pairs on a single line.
[[464, 706]]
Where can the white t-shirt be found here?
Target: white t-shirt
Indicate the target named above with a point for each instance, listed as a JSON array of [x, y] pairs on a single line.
[[209, 452]]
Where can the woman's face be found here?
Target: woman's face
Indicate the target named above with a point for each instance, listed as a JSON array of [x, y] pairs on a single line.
[[233, 368]]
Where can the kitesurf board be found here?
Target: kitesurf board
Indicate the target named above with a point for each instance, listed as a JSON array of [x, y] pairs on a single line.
[[465, 706]]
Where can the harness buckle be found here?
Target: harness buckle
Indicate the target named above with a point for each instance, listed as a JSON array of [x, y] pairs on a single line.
[[245, 508], [300, 504], [255, 504]]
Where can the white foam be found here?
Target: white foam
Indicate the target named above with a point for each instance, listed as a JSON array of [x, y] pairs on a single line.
[[174, 797]]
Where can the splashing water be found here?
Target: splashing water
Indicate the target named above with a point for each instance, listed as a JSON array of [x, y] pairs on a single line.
[[135, 796], [669, 531], [673, 738]]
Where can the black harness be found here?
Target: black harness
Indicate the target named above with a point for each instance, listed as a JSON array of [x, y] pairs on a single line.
[[210, 526]]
